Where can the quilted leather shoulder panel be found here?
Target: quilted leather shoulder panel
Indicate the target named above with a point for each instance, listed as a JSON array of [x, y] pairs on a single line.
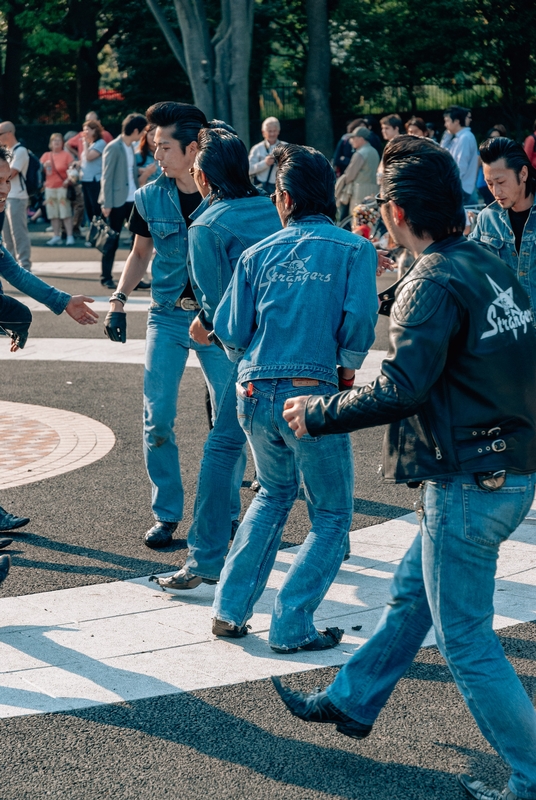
[[417, 301]]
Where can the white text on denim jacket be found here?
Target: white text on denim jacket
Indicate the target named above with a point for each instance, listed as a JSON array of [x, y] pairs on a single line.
[[295, 271]]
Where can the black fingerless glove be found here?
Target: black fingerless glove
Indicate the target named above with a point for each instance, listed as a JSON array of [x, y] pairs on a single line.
[[15, 320], [115, 326]]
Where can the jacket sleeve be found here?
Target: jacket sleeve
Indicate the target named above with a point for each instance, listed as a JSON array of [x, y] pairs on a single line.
[[354, 168], [476, 235], [31, 285], [356, 334], [256, 160], [424, 318], [210, 269], [109, 160], [234, 320]]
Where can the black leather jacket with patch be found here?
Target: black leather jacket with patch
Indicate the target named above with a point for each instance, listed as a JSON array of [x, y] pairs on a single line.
[[458, 384]]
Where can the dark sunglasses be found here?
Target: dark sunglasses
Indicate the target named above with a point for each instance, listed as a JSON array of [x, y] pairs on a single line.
[[273, 197], [381, 200]]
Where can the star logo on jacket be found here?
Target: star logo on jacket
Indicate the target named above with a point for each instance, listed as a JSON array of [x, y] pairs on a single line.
[[512, 317], [295, 272]]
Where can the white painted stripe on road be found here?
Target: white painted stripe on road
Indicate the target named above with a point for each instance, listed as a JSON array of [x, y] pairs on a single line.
[[127, 640], [72, 267], [132, 352], [101, 303]]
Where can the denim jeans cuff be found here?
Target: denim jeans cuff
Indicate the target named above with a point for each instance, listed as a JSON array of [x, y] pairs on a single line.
[[332, 696]]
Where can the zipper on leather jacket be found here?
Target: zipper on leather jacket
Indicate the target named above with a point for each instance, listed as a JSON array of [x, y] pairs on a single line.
[[429, 432]]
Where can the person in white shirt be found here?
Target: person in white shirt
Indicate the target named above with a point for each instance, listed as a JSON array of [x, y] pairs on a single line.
[[16, 238], [463, 148], [262, 168]]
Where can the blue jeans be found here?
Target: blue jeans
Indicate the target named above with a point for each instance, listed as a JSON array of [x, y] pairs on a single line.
[[447, 579], [326, 464], [168, 343]]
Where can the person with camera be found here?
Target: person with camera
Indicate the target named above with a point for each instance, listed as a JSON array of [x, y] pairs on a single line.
[[300, 303], [262, 166], [458, 392]]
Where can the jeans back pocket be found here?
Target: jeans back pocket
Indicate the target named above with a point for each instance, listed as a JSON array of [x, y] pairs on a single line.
[[245, 408]]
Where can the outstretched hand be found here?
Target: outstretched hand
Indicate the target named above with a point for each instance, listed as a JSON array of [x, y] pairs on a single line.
[[79, 311], [384, 262], [294, 414]]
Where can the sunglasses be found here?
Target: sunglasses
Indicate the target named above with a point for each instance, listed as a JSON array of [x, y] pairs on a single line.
[[381, 200], [273, 197], [192, 171]]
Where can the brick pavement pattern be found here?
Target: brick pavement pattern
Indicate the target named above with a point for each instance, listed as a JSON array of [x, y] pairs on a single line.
[[38, 442]]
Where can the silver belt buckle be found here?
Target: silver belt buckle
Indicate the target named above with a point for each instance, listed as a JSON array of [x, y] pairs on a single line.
[[187, 304]]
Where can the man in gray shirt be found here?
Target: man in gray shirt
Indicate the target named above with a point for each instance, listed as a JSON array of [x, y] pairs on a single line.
[[118, 183]]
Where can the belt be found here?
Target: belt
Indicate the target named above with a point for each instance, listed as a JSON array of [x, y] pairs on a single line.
[[187, 304]]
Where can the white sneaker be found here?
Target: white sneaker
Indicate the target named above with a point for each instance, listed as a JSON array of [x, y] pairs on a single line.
[[88, 244], [70, 240], [49, 229], [54, 241]]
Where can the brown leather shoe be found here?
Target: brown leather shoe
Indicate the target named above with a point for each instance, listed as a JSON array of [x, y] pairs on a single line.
[[221, 628]]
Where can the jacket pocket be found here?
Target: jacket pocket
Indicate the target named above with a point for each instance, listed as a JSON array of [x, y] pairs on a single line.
[[167, 237]]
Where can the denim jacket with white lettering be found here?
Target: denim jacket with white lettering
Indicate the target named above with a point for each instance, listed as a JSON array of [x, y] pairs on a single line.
[[300, 302], [30, 284], [159, 205], [493, 230], [217, 237]]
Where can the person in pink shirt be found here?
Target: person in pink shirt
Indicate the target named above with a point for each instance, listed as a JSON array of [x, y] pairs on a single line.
[[56, 163], [530, 146]]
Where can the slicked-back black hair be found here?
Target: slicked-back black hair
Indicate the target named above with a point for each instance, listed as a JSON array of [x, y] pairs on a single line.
[[309, 179], [224, 159], [514, 156], [185, 119], [5, 154], [423, 179]]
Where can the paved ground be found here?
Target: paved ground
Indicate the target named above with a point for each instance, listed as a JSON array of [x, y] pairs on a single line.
[[231, 739]]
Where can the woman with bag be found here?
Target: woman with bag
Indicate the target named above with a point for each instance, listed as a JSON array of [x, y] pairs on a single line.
[[56, 163], [91, 167]]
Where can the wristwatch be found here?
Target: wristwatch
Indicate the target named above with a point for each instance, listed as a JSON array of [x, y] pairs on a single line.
[[119, 296]]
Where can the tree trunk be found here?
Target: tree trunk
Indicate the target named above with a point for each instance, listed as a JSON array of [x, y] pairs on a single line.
[[218, 70], [11, 79], [198, 53], [82, 24], [318, 123]]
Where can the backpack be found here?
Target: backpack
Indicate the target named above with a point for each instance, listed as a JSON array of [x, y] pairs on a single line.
[[34, 179]]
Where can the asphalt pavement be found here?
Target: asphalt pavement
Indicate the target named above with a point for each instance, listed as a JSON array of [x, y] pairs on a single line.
[[235, 741]]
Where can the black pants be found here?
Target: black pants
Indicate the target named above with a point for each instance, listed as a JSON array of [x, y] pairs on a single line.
[[91, 191], [116, 221]]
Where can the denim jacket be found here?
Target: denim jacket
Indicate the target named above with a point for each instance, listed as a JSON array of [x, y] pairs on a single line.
[[158, 203], [217, 237], [493, 230], [300, 302], [30, 284]]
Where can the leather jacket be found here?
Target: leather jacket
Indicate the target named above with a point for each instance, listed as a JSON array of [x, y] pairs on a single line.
[[458, 385]]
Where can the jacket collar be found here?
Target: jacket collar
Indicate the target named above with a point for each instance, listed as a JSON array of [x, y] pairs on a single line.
[[312, 219], [203, 205]]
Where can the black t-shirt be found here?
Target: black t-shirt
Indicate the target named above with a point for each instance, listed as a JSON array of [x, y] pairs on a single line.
[[138, 225], [517, 221]]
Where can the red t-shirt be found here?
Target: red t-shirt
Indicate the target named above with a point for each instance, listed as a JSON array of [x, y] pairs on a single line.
[[76, 141], [56, 168]]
